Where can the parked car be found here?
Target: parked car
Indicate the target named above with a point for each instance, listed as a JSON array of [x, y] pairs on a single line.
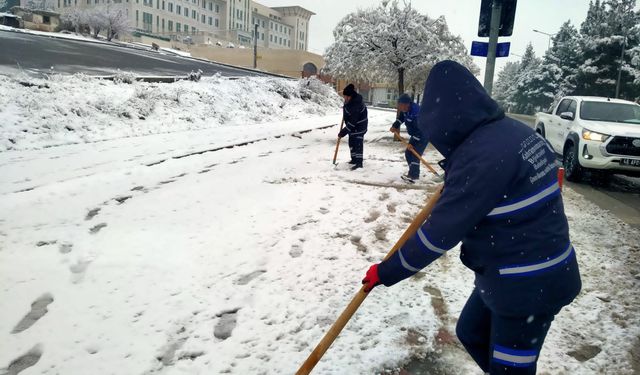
[[601, 135]]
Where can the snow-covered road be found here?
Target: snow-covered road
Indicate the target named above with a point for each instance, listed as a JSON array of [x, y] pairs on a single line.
[[135, 260]]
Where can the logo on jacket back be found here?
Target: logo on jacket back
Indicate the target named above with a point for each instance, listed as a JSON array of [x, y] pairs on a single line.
[[636, 142]]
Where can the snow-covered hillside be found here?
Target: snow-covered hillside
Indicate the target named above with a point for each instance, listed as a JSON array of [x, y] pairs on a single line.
[[38, 113]]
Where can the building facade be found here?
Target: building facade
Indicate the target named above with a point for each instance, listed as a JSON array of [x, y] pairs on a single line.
[[223, 22]]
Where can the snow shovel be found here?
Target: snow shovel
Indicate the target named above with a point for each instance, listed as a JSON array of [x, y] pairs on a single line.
[[348, 312], [413, 151], [335, 154]]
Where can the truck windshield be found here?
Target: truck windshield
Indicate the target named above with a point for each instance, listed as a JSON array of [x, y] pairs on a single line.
[[607, 111]]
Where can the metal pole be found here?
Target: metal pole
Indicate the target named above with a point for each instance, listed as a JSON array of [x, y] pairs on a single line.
[[624, 45], [255, 46], [496, 11]]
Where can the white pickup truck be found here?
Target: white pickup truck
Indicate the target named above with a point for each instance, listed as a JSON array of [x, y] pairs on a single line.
[[601, 135]]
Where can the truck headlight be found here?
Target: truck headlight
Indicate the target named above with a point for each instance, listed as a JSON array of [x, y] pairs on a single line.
[[594, 136]]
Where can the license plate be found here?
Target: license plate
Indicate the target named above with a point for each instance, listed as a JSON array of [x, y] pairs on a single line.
[[630, 162]]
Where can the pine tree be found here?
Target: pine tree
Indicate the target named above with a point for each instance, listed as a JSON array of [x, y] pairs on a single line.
[[505, 86], [610, 27], [529, 70], [556, 76]]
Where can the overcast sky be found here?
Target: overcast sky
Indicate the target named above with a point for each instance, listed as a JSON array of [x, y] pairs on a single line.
[[462, 18]]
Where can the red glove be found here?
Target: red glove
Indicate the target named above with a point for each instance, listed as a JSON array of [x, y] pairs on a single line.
[[371, 279]]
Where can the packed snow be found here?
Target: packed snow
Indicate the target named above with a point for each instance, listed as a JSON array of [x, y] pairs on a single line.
[[62, 109], [215, 236]]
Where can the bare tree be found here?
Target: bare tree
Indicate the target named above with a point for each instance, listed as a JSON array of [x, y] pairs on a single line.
[[116, 21], [77, 18]]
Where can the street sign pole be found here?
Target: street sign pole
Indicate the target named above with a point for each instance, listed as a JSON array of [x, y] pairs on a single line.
[[496, 11], [255, 46]]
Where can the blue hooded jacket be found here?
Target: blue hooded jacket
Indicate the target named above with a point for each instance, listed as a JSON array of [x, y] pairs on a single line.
[[410, 119], [501, 199]]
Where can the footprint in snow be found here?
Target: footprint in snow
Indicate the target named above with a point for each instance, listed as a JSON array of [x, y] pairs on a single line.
[[25, 361], [373, 216], [323, 210], [296, 250], [122, 199], [45, 243], [78, 270], [226, 324], [38, 310], [246, 279], [65, 248], [96, 228], [92, 213]]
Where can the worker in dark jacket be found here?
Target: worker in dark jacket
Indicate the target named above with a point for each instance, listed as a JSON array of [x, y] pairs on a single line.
[[408, 114], [502, 200], [355, 121]]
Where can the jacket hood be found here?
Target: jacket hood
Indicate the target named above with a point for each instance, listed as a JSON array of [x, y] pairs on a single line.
[[355, 100], [454, 104]]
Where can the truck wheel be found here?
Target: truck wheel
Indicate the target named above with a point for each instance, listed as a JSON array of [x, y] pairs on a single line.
[[540, 130], [572, 169]]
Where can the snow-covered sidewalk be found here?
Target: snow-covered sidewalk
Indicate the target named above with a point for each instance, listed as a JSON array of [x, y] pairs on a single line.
[[238, 260]]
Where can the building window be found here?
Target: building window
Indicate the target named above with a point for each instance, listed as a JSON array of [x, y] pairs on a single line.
[[271, 38], [289, 43], [186, 12], [163, 25], [217, 8], [263, 24], [162, 4], [193, 30], [147, 21], [280, 28], [210, 21], [262, 36], [157, 4], [194, 15], [178, 9], [178, 26], [216, 23], [280, 41], [170, 25], [210, 6], [204, 4], [203, 18], [185, 28], [157, 23], [171, 7]]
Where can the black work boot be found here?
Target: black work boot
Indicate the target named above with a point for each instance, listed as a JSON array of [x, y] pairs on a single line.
[[357, 165]]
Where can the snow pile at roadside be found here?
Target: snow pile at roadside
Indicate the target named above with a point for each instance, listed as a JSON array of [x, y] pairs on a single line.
[[77, 109]]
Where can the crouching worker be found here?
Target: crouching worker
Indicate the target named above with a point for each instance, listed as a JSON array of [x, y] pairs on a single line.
[[408, 114], [355, 121], [502, 201]]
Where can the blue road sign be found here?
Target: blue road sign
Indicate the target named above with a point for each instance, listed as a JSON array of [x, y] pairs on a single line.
[[482, 49]]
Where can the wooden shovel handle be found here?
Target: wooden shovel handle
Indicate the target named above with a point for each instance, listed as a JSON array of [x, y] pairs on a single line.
[[413, 151], [335, 154], [357, 300]]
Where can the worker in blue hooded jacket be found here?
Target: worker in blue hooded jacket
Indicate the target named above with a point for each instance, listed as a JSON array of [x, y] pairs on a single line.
[[501, 200], [356, 120], [408, 114]]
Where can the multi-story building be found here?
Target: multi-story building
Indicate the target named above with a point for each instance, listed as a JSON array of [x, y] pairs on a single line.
[[212, 21]]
